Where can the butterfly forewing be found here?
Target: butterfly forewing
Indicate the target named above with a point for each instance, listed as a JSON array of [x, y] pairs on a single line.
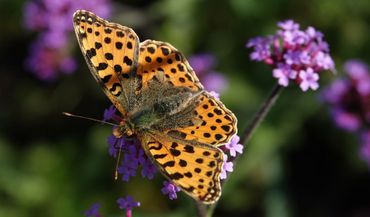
[[157, 56], [111, 51]]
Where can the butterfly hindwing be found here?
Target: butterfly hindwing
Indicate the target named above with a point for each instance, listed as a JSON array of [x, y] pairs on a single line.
[[212, 122], [192, 166], [111, 51]]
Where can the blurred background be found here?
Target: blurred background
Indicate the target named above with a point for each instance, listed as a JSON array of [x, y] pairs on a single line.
[[298, 163]]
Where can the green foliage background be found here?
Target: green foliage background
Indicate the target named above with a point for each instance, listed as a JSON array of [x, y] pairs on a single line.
[[297, 163]]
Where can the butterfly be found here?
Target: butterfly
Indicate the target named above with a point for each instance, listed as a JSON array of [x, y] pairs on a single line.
[[162, 102]]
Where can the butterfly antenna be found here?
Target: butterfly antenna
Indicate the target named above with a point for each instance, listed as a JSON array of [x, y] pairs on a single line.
[[117, 163], [87, 118]]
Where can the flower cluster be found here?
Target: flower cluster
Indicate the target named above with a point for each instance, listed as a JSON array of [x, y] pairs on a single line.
[[126, 204], [294, 54], [50, 53], [203, 65], [349, 99]]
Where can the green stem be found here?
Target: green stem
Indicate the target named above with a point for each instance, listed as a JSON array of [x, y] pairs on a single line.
[[257, 119], [261, 113]]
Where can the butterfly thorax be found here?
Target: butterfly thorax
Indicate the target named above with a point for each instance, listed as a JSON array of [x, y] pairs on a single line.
[[160, 106]]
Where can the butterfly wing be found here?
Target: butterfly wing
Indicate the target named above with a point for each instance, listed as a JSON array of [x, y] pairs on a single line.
[[157, 56], [192, 166], [213, 123], [111, 52]]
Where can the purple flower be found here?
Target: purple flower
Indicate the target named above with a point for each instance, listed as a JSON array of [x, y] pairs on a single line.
[[294, 54], [203, 66], [50, 53], [214, 81], [110, 114], [93, 211], [356, 69], [359, 72], [288, 25], [214, 94], [148, 169], [284, 73], [308, 79], [334, 92], [234, 147], [170, 190], [127, 204], [112, 144], [133, 158], [130, 162], [346, 120], [202, 63], [350, 103], [227, 167], [45, 61]]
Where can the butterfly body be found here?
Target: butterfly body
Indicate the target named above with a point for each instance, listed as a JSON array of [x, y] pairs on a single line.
[[162, 102]]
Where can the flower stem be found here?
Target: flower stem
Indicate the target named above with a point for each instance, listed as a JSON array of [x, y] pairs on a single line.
[[261, 113], [128, 213], [257, 119], [202, 210]]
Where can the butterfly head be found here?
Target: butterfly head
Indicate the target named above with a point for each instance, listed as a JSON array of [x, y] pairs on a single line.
[[124, 129]]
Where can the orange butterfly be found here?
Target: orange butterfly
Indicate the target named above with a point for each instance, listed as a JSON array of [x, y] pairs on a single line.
[[162, 102]]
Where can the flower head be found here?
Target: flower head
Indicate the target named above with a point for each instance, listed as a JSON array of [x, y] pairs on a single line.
[[127, 204], [49, 54], [308, 79], [170, 190], [234, 147], [203, 66], [148, 169], [93, 211], [349, 99], [110, 114], [294, 54]]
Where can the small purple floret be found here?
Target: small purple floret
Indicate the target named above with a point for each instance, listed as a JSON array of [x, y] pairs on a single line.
[[234, 147], [93, 211], [227, 167], [170, 190]]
